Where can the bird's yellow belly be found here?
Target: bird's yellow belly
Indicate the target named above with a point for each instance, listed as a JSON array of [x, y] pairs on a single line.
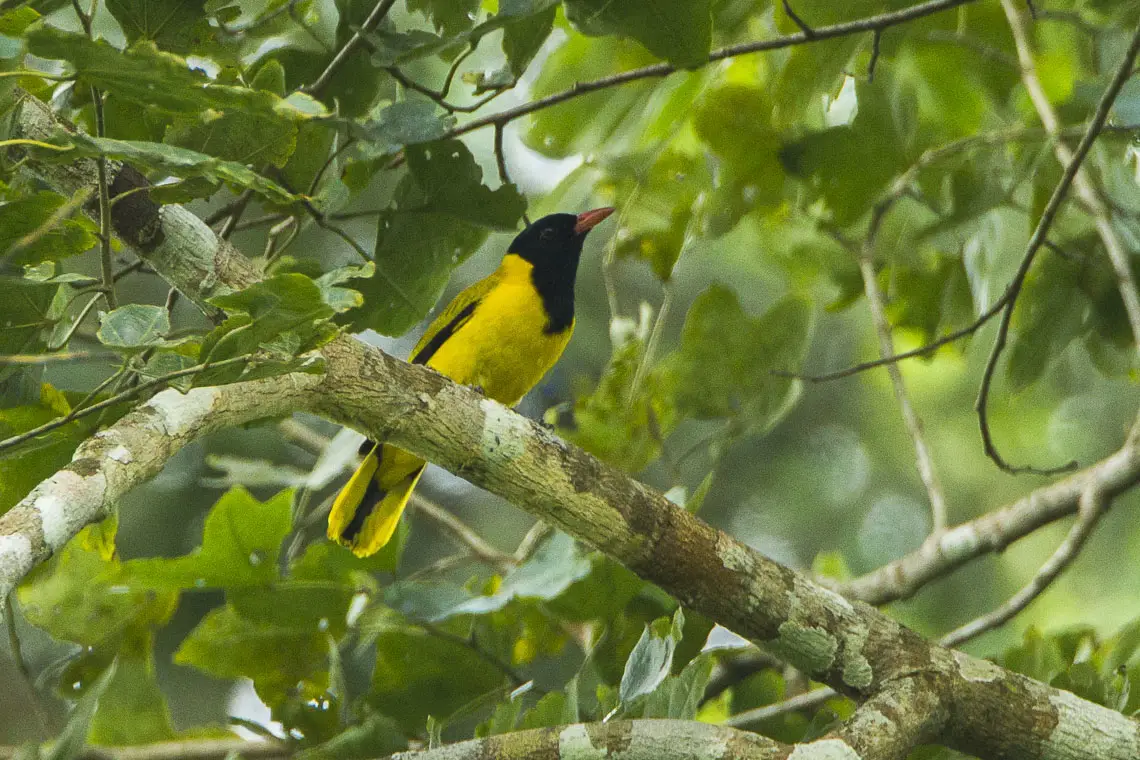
[[503, 348]]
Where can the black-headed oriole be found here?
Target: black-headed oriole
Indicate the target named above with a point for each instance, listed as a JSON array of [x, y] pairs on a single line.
[[501, 334]]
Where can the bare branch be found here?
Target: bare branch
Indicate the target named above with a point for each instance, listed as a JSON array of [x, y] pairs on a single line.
[[1092, 506], [992, 532]]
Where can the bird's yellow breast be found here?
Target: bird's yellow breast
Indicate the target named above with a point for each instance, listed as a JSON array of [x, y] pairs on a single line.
[[504, 347]]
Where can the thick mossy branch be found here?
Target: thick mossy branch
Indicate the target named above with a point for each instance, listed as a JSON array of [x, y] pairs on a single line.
[[988, 711]]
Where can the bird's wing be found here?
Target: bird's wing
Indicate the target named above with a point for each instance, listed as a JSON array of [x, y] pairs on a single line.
[[457, 313]]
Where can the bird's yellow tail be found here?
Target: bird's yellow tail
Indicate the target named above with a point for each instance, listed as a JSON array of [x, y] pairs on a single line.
[[367, 510]]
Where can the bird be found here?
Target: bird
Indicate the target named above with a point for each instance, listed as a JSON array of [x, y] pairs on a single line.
[[500, 336]]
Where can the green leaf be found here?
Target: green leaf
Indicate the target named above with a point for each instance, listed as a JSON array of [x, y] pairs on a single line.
[[23, 467], [652, 657], [284, 315], [524, 36], [343, 299], [418, 674], [75, 596], [242, 136], [586, 122], [415, 254], [178, 26], [13, 22], [849, 165], [148, 76], [724, 365], [31, 233], [275, 657], [174, 160], [240, 543], [407, 122], [451, 182], [554, 567], [73, 738], [554, 709], [134, 326], [678, 696], [133, 709], [450, 17], [1050, 314], [680, 31]]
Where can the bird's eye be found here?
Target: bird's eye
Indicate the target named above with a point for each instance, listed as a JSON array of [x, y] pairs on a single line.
[[546, 234]]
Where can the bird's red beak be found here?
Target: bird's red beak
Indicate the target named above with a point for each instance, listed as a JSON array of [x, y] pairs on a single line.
[[590, 219]]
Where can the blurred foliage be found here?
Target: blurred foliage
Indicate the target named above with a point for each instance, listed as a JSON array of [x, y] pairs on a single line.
[[743, 188]]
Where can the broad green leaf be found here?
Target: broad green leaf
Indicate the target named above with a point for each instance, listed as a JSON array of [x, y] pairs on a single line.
[[426, 601], [524, 36], [451, 182], [343, 299], [240, 543], [26, 319], [247, 137], [678, 696], [849, 165], [180, 162], [1051, 311], [133, 327], [450, 17], [617, 422], [275, 657], [283, 316], [810, 72], [13, 22], [652, 657], [657, 193], [583, 124], [938, 295], [418, 674], [679, 31], [554, 709], [407, 122], [75, 596], [148, 76], [178, 26], [556, 565], [32, 230], [133, 709], [415, 254], [725, 363], [23, 467]]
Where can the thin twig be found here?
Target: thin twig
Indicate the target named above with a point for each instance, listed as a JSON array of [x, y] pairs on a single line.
[[462, 533], [911, 420], [876, 41], [1035, 242], [374, 18], [236, 210], [532, 540], [806, 701], [807, 30], [1092, 506]]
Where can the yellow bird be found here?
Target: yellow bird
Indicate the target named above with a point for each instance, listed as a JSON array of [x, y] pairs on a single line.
[[501, 335]]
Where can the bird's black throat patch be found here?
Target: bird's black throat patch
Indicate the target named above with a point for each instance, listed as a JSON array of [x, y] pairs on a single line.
[[554, 282]]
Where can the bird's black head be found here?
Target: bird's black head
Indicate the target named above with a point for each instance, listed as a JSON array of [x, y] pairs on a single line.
[[553, 246], [554, 243]]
